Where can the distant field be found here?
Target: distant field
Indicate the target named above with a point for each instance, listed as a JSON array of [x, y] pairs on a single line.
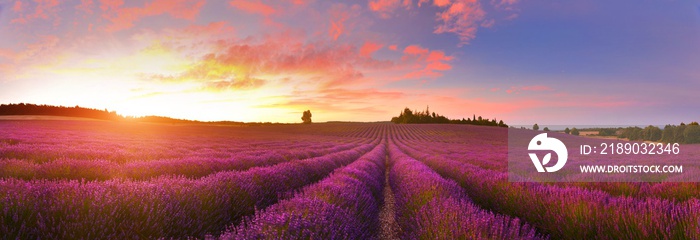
[[44, 117], [119, 180]]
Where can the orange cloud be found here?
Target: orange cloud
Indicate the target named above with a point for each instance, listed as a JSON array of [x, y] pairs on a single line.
[[393, 47], [238, 84], [368, 48], [441, 3], [255, 7], [275, 57], [124, 18]]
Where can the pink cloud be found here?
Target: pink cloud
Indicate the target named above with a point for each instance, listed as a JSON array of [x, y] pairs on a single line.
[[17, 7], [37, 52], [339, 24], [459, 17], [7, 53], [45, 44], [341, 94], [462, 18], [533, 88], [213, 28], [536, 88], [504, 4], [85, 6], [124, 18], [512, 16], [45, 9], [488, 23], [106, 5], [393, 47], [368, 48], [384, 7], [415, 50], [300, 2], [426, 63], [255, 7]]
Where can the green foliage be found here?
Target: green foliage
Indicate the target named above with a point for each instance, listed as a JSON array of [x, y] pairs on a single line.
[[683, 133], [408, 116], [691, 134], [607, 132], [535, 127], [651, 133], [574, 132], [567, 130], [546, 129]]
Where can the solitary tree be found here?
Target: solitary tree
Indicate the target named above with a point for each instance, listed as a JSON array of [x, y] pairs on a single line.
[[567, 130], [546, 129], [306, 117], [535, 127]]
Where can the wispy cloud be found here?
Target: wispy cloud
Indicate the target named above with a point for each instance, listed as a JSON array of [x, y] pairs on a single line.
[[122, 18]]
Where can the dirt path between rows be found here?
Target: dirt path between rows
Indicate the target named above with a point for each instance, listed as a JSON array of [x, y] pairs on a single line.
[[389, 228]]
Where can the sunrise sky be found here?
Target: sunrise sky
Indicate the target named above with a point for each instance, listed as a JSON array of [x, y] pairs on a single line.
[[551, 62]]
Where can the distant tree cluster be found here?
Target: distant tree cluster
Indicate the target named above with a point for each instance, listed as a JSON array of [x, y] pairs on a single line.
[[683, 133], [33, 109], [572, 131], [408, 116]]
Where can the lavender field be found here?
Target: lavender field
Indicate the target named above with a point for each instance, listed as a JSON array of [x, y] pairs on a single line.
[[119, 180]]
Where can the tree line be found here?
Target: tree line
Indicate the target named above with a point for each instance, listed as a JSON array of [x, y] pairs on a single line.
[[77, 111], [683, 133], [573, 131], [408, 116]]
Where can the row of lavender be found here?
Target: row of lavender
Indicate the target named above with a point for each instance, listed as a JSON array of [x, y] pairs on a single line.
[[191, 167], [431, 207], [486, 148], [492, 156], [160, 207], [345, 205], [564, 211], [34, 142]]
